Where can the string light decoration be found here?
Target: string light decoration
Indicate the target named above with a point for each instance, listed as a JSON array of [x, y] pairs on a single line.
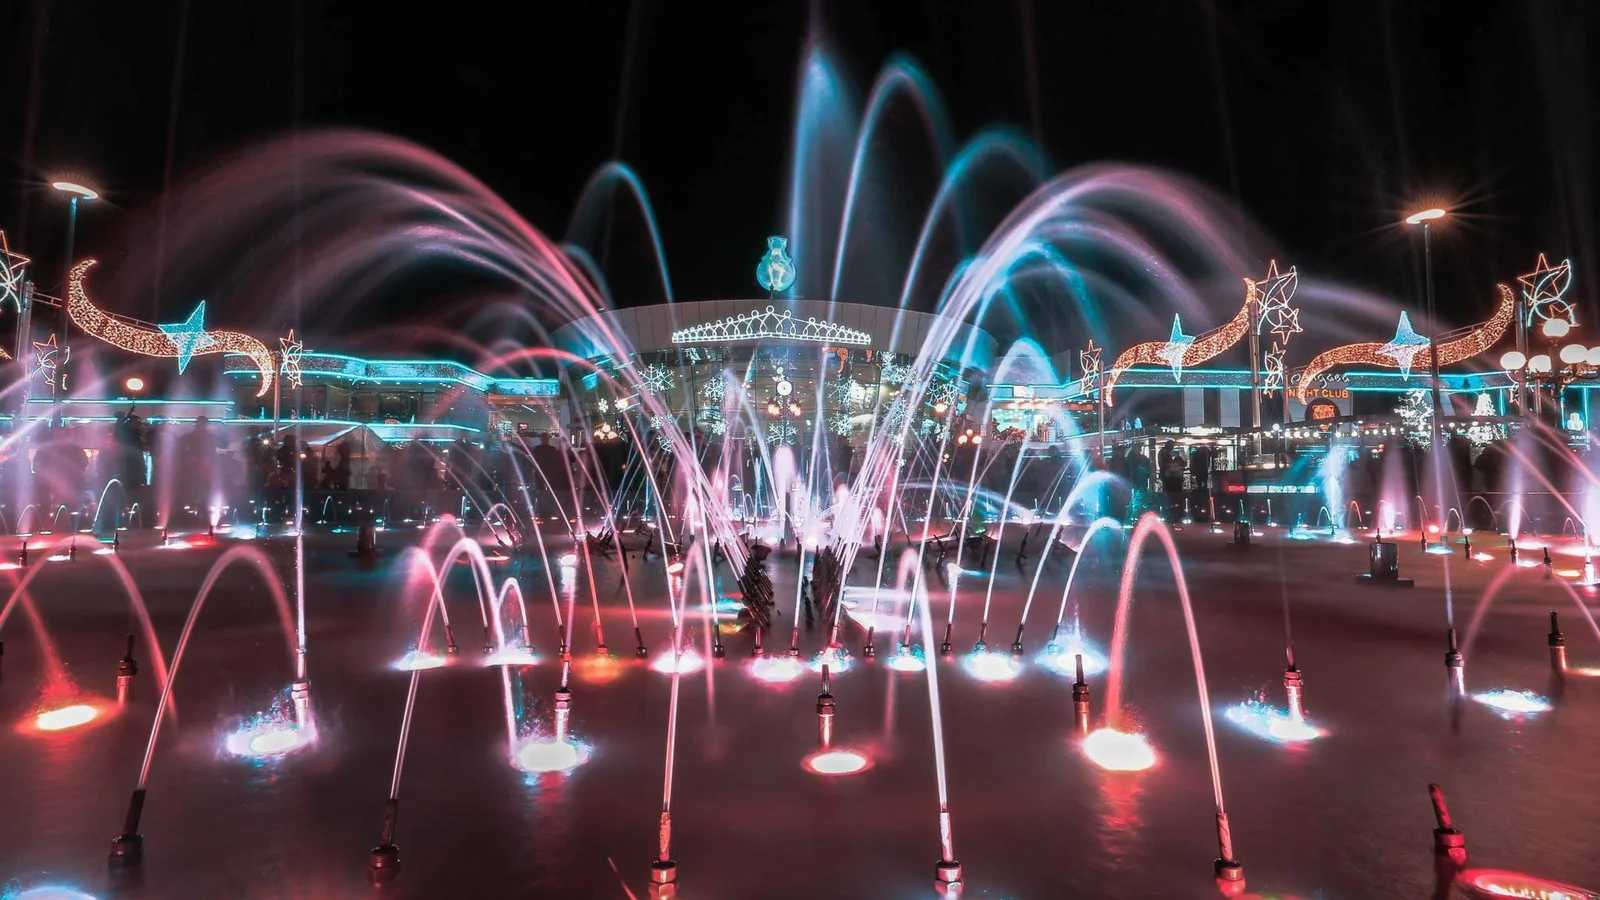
[[157, 342], [1415, 410], [49, 359], [839, 424], [657, 379], [1274, 293], [290, 352], [895, 372], [1273, 369], [714, 390], [1544, 289], [770, 324], [1181, 350], [1481, 434], [1089, 362], [12, 266], [1470, 342]]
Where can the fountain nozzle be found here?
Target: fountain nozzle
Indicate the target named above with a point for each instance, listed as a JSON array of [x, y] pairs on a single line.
[[72, 550], [1547, 557], [383, 863], [1558, 646], [22, 558], [1227, 869], [868, 651], [947, 648], [1080, 700], [1016, 645], [825, 708], [127, 848], [1293, 687], [1447, 840], [1455, 664], [663, 879], [640, 651], [126, 669]]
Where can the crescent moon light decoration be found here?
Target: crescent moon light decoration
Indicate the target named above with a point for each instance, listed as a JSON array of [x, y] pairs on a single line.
[[178, 342], [1403, 354], [1182, 350]]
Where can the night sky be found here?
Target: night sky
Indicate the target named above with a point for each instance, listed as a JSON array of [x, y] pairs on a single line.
[[1324, 120]]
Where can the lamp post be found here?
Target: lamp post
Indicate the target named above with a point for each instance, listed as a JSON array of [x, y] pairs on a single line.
[[74, 192], [1423, 218]]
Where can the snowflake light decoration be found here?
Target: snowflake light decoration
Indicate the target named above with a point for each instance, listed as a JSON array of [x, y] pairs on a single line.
[[603, 405], [715, 390], [289, 353], [713, 421], [1545, 290], [895, 372], [930, 427], [659, 422], [1274, 293], [895, 415], [657, 379], [946, 392], [841, 389], [1273, 369], [839, 423], [780, 432], [11, 271]]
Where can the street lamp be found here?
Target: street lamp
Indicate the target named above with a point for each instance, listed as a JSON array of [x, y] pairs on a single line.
[[74, 192], [1423, 218], [134, 384]]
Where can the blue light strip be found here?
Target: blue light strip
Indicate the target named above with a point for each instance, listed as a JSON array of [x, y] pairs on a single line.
[[1239, 379], [400, 371]]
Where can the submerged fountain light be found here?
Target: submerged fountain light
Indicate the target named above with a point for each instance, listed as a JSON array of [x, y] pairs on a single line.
[[907, 660], [266, 738], [988, 665], [1061, 658], [49, 892], [776, 669], [568, 560], [538, 756], [1501, 883], [835, 659], [64, 717], [686, 663], [511, 656], [837, 762], [1271, 723], [418, 659], [1118, 751], [1513, 704]]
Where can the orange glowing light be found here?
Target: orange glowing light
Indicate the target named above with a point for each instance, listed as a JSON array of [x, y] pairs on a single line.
[[134, 384], [1474, 341], [66, 717]]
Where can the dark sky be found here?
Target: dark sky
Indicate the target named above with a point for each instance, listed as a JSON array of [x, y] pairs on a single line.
[[1323, 120]]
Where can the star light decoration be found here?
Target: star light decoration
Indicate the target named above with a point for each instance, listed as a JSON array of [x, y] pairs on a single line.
[[1175, 348], [1404, 346], [290, 351], [1545, 290], [1089, 362], [1273, 369], [189, 336], [49, 359], [656, 379], [1469, 343], [1274, 293], [11, 271]]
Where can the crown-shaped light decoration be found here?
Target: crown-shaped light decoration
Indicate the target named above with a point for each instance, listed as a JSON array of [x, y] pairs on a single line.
[[770, 324]]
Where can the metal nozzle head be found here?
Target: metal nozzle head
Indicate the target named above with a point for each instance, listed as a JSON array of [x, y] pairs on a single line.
[[1555, 631], [1078, 658]]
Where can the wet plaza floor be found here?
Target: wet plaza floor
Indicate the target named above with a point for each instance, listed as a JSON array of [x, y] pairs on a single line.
[[1343, 816]]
